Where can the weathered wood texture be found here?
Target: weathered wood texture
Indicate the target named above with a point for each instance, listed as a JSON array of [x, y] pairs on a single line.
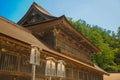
[[14, 65], [65, 43], [35, 14]]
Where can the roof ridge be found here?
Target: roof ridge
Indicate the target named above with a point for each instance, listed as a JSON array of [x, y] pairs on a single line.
[[41, 8], [37, 8]]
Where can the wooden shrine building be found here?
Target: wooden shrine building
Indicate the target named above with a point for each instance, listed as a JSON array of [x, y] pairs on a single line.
[[57, 41]]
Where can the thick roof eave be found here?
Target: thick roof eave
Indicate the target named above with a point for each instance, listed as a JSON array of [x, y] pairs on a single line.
[[96, 49], [66, 22]]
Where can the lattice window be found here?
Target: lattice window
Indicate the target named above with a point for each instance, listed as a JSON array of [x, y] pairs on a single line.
[[75, 74], [8, 62], [85, 76], [81, 75], [25, 65], [40, 70], [68, 73], [90, 76]]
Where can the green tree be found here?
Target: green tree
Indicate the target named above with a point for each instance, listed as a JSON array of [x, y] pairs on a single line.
[[118, 34], [106, 40]]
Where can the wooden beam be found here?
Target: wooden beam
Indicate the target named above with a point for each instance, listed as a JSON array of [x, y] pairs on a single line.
[[7, 38]]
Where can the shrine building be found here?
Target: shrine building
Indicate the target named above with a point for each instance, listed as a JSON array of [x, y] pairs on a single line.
[[64, 53]]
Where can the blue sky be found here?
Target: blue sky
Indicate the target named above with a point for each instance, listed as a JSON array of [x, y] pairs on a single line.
[[104, 13]]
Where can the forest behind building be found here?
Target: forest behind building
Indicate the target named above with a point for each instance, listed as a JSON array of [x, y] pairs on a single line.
[[106, 40]]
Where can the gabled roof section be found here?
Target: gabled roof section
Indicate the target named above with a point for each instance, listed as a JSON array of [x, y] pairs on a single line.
[[35, 14], [41, 9], [84, 41], [69, 28]]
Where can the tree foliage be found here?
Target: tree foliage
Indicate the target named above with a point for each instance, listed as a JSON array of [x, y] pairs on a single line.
[[106, 40]]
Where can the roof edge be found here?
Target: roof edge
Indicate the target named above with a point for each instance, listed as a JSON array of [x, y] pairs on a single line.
[[76, 61], [57, 18], [81, 35], [15, 24], [38, 7], [35, 4]]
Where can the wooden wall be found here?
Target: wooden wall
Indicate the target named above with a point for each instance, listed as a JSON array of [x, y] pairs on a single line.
[[14, 65], [68, 46]]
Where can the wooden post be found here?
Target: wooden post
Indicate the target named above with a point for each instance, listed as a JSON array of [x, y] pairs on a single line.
[[19, 60], [33, 71], [50, 69]]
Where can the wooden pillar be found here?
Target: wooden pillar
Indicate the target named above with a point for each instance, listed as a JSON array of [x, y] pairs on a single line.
[[19, 60], [0, 57]]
